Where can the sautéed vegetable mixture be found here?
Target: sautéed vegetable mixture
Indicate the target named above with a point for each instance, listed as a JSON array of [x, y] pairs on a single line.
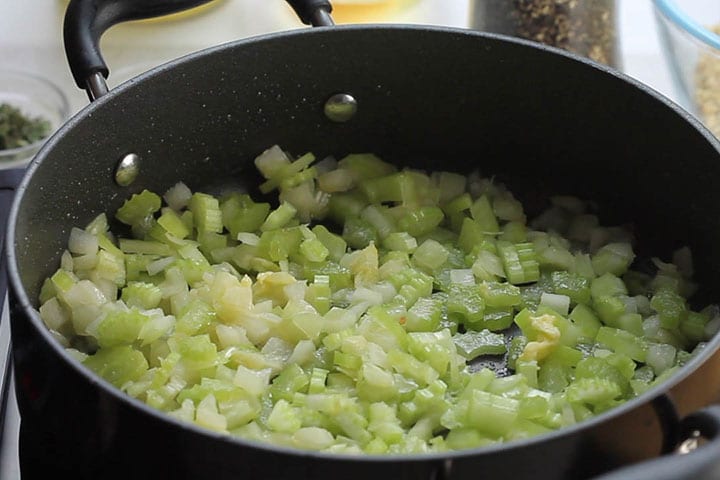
[[359, 314]]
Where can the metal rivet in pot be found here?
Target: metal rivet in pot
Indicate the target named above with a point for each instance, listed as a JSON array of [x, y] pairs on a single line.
[[127, 170], [341, 107]]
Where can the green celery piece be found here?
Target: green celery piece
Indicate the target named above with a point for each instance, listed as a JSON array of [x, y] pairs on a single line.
[[466, 438], [223, 391], [554, 257], [607, 285], [195, 318], [457, 205], [614, 258], [366, 166], [318, 294], [339, 276], [553, 376], [47, 291], [376, 384], [593, 367], [211, 241], [400, 241], [411, 367], [120, 327], [492, 414], [354, 425], [586, 321], [276, 245], [593, 391], [565, 356], [129, 245], [475, 344], [529, 371], [670, 306], [482, 212], [571, 284], [396, 187], [141, 295], [358, 233], [346, 205], [623, 363], [450, 184], [171, 222], [118, 365], [284, 418], [425, 315], [383, 422], [241, 214], [285, 172], [421, 221], [471, 235], [609, 309], [62, 280], [379, 217], [534, 408], [435, 348], [514, 232], [693, 326], [206, 212], [314, 250], [138, 207], [383, 327], [497, 318], [465, 304], [318, 377], [660, 357], [335, 244], [347, 362], [519, 262], [430, 256], [279, 217], [197, 351], [411, 285], [498, 294], [631, 322], [291, 379], [307, 175], [110, 267]]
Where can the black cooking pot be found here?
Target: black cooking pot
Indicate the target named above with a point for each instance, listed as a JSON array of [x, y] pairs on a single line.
[[543, 121]]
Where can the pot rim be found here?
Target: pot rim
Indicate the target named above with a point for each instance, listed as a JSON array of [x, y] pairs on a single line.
[[22, 299]]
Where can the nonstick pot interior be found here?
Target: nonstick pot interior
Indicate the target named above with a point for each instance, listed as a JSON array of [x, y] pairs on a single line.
[[543, 122]]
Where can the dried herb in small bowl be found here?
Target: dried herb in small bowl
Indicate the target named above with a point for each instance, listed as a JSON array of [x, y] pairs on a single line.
[[18, 130]]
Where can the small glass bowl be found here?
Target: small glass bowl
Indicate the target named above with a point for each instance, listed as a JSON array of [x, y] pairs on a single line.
[[690, 36], [35, 97]]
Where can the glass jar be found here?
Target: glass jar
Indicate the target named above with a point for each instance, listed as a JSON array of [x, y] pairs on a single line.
[[585, 27]]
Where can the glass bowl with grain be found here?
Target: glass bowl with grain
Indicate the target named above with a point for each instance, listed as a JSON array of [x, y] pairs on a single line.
[[690, 35]]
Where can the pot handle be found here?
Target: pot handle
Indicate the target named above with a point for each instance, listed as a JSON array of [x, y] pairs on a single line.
[[701, 463], [87, 20]]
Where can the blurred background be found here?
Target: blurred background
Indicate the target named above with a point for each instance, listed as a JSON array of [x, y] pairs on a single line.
[[31, 33]]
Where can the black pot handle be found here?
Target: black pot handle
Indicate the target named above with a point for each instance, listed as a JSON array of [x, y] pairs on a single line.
[[702, 463], [87, 20]]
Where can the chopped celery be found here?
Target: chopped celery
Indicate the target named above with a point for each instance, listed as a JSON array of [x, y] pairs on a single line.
[[474, 344], [345, 319]]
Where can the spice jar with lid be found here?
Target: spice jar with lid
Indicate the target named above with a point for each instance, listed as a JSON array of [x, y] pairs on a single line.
[[585, 27]]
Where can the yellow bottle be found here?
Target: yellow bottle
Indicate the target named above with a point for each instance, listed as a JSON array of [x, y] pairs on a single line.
[[357, 11]]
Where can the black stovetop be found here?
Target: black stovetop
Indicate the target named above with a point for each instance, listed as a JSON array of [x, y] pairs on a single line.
[[9, 416]]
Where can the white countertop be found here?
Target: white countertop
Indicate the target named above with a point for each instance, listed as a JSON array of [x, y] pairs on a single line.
[[31, 36]]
